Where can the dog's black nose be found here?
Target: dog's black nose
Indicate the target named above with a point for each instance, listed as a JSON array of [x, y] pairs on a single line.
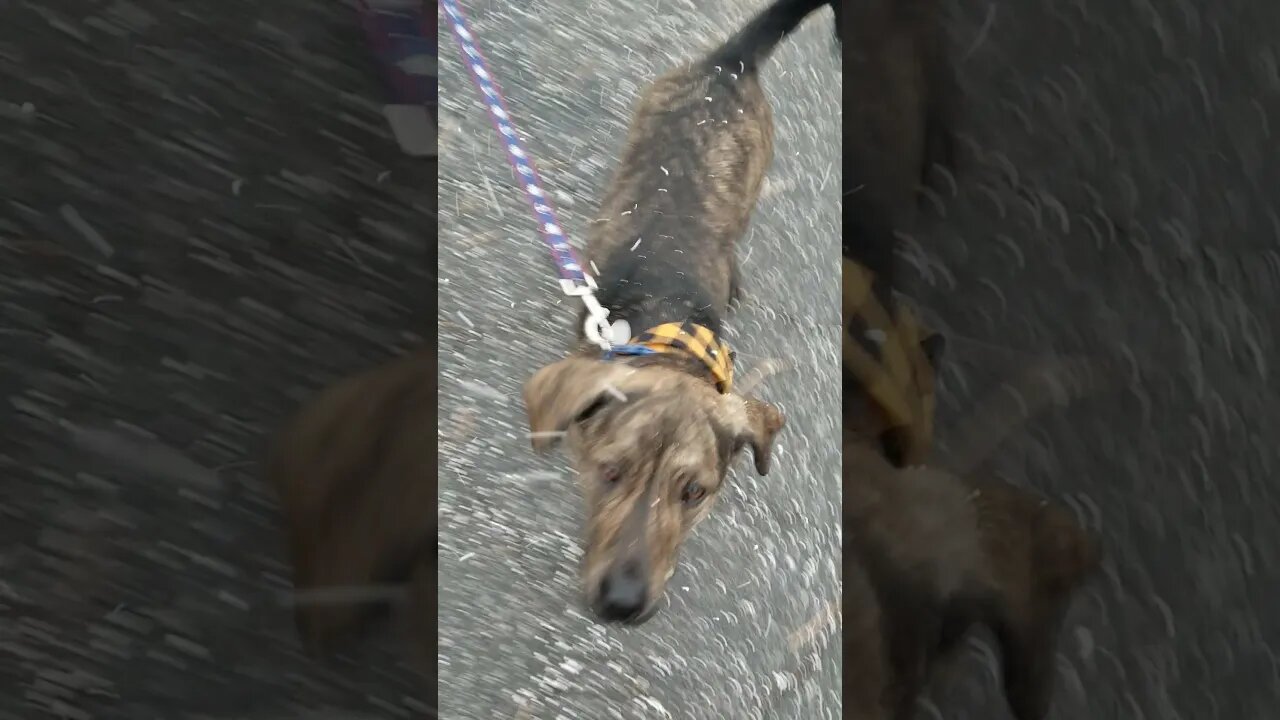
[[622, 595]]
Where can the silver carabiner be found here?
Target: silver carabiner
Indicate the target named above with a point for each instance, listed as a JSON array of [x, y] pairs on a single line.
[[596, 326]]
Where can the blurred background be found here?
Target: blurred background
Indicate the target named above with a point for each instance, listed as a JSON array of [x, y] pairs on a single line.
[[733, 640], [1120, 205], [204, 218]]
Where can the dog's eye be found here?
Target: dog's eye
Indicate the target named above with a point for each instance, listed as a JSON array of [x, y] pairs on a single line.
[[692, 494], [609, 474]]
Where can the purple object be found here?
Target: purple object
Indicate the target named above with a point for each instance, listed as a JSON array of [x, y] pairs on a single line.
[[404, 41]]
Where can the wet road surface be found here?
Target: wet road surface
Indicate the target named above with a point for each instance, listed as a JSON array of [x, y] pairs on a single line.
[[203, 219]]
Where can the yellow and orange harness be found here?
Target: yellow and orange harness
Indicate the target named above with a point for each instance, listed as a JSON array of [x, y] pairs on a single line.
[[900, 382], [686, 338]]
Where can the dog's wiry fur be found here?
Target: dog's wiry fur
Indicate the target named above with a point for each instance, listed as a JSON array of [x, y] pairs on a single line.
[[902, 100], [928, 555], [672, 429], [355, 470], [700, 141]]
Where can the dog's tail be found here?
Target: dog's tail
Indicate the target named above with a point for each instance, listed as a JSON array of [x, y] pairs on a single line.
[[757, 39]]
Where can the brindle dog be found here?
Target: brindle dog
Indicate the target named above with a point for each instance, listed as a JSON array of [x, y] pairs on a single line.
[[927, 556], [651, 436], [355, 470]]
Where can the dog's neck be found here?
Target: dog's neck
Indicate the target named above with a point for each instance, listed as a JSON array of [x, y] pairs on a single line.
[[646, 294], [673, 361], [643, 310]]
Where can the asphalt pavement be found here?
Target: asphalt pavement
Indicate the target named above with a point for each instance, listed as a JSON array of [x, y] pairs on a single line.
[[203, 219], [515, 640]]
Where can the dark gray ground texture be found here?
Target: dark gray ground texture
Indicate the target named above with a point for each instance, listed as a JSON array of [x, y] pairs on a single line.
[[203, 218], [255, 233]]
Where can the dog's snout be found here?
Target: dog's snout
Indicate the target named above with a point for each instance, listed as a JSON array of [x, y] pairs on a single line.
[[623, 592]]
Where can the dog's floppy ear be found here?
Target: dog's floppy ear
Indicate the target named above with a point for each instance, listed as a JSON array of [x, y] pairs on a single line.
[[565, 390], [750, 421]]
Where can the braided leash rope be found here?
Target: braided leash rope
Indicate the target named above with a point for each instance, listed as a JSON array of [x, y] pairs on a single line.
[[574, 280]]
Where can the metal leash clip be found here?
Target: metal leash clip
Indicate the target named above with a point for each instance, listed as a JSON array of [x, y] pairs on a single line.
[[596, 325], [575, 282]]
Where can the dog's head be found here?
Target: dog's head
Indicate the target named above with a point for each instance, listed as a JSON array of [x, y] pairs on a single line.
[[652, 445]]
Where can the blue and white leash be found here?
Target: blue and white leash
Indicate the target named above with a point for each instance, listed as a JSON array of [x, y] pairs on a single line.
[[574, 280]]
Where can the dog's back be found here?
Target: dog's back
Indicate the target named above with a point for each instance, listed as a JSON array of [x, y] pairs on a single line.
[[700, 141]]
